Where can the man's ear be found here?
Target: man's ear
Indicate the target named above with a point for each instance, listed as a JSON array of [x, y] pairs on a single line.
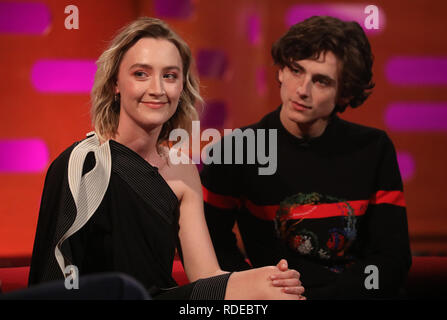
[[280, 75], [343, 101]]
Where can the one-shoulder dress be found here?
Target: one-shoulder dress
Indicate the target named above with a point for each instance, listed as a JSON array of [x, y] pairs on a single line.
[[106, 209]]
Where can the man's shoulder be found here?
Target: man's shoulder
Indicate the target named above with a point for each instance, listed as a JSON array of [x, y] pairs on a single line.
[[360, 130], [354, 135], [247, 135], [266, 121]]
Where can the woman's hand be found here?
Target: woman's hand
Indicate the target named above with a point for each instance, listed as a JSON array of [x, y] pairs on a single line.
[[257, 284], [288, 280]]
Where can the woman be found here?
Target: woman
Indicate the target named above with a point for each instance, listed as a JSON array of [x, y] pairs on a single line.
[[114, 202]]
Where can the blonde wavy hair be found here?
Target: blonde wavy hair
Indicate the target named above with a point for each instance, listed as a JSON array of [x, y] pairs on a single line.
[[105, 110]]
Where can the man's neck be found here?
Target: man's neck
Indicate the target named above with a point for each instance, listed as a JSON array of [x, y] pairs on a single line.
[[305, 130]]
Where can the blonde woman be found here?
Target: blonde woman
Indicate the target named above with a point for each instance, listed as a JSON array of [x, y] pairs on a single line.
[[114, 202]]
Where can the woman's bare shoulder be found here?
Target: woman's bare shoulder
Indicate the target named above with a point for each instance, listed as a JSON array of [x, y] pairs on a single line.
[[183, 175]]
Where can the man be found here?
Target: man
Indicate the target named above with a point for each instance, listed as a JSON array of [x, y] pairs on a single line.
[[334, 208]]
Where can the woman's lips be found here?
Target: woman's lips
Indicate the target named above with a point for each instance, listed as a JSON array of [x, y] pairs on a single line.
[[154, 104]]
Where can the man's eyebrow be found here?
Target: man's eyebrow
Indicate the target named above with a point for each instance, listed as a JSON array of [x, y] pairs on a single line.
[[148, 66], [320, 76], [316, 75], [296, 65]]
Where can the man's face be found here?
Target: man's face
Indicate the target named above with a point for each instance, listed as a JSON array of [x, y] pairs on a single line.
[[309, 93]]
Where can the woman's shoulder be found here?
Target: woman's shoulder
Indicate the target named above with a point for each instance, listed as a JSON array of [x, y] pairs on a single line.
[[61, 160], [59, 165], [181, 172]]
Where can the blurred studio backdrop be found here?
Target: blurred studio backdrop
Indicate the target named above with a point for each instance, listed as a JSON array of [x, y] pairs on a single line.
[[47, 66]]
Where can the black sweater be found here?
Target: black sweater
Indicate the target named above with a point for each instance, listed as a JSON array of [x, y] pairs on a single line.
[[333, 207]]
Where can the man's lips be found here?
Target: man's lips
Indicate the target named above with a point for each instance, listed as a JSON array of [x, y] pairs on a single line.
[[300, 106]]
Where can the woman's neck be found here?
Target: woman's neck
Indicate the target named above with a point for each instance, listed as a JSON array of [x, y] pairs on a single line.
[[143, 142]]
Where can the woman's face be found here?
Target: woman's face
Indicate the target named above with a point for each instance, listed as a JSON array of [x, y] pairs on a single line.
[[150, 81]]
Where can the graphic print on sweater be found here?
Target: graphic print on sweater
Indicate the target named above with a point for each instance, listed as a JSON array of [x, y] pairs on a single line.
[[295, 217]]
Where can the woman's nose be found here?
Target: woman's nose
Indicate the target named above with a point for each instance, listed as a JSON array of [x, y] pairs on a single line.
[[155, 87]]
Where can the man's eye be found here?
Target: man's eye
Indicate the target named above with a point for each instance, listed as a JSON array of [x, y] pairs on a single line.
[[322, 82]]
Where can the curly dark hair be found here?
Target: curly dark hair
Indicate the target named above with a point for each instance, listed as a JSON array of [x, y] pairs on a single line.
[[346, 40]]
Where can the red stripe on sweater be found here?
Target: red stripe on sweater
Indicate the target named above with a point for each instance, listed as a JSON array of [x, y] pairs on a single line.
[[391, 197], [307, 211], [220, 201]]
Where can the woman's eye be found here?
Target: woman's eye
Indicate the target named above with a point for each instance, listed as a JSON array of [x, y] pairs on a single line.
[[140, 74], [170, 76]]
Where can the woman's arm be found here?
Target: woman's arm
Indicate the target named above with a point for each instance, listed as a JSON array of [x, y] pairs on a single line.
[[198, 253], [273, 282]]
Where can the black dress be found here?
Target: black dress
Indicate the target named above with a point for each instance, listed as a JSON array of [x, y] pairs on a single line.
[[134, 229]]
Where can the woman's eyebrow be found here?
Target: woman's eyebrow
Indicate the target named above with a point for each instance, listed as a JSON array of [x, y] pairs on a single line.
[[140, 65], [148, 66]]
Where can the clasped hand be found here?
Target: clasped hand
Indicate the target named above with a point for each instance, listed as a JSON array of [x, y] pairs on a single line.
[[288, 280]]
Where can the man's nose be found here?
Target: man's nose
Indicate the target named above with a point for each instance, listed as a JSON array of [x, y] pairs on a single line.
[[303, 88]]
